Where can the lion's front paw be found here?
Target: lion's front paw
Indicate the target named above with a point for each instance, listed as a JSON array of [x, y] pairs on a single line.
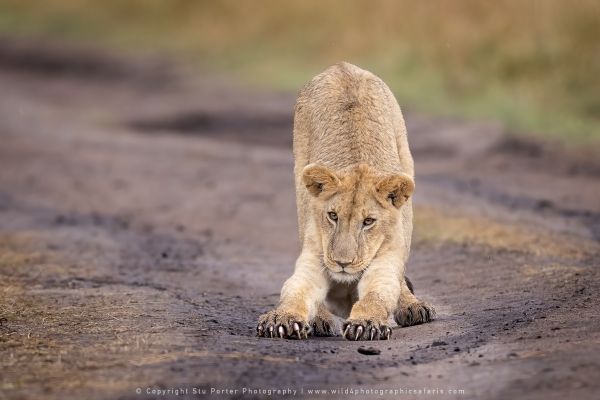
[[281, 324], [366, 330], [414, 314]]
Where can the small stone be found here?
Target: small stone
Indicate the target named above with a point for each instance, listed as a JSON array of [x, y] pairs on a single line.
[[369, 351]]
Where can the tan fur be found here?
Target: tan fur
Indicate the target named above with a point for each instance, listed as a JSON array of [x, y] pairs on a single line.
[[353, 166]]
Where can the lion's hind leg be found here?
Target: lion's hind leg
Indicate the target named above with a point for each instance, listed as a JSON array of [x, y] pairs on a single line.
[[324, 323], [411, 310]]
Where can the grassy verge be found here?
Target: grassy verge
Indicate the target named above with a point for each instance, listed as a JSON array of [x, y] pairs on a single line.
[[533, 65]]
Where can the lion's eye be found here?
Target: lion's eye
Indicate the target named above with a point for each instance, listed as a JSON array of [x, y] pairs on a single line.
[[332, 216], [368, 221]]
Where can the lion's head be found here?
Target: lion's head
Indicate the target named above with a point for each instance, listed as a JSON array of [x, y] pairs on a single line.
[[356, 211]]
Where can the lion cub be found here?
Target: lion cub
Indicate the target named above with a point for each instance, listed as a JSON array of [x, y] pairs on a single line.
[[354, 181]]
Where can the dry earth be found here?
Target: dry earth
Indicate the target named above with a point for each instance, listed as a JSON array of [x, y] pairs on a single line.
[[147, 218]]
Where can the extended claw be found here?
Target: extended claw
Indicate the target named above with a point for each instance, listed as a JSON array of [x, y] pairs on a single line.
[[346, 331], [297, 330], [359, 332], [388, 333], [281, 331], [259, 330], [372, 333], [271, 331]]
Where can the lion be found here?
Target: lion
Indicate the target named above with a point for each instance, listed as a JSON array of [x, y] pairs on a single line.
[[354, 176]]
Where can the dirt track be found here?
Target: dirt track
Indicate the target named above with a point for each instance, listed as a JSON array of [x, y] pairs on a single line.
[[147, 218]]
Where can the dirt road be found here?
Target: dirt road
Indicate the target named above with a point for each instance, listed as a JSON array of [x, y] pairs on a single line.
[[147, 218]]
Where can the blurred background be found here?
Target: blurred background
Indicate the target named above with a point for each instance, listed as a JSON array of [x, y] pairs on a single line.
[[532, 65], [147, 205]]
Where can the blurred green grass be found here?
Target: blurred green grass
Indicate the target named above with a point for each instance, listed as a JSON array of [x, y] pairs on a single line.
[[534, 65]]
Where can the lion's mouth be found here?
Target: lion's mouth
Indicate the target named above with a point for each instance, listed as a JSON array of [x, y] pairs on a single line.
[[349, 270], [345, 276]]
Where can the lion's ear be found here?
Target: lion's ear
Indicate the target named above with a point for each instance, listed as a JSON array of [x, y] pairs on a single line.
[[395, 189], [319, 179]]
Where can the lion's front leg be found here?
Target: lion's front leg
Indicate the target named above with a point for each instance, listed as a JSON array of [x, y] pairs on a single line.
[[378, 292], [300, 295]]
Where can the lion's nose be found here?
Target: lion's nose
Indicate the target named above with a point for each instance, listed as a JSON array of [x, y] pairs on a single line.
[[342, 264]]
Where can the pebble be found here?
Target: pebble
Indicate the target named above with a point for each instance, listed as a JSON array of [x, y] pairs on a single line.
[[369, 351]]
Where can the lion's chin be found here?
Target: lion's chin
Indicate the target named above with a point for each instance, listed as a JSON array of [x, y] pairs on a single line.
[[344, 277]]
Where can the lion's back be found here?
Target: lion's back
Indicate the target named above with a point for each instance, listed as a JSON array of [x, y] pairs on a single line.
[[346, 116]]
